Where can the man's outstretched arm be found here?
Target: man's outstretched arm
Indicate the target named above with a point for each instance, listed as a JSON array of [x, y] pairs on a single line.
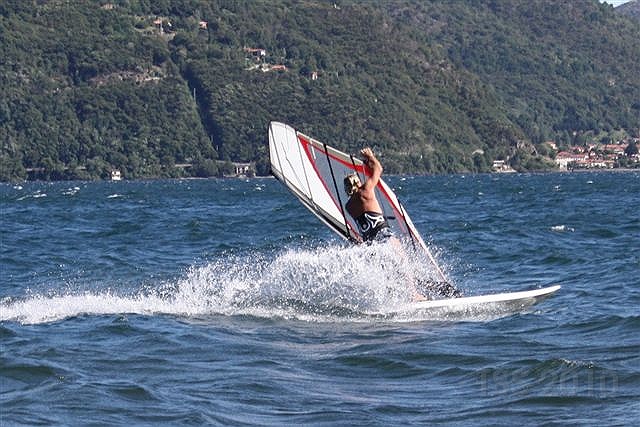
[[376, 168]]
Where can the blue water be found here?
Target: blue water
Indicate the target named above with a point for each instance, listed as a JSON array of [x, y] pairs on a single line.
[[225, 302]]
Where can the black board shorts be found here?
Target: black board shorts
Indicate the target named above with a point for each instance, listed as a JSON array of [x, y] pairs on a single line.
[[373, 227]]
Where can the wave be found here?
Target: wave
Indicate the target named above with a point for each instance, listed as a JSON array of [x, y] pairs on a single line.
[[561, 228], [557, 379], [313, 284]]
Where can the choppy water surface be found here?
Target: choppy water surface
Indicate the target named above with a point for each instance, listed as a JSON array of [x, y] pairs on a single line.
[[226, 302]]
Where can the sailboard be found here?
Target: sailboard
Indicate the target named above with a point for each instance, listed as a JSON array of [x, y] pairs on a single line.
[[490, 305], [314, 172]]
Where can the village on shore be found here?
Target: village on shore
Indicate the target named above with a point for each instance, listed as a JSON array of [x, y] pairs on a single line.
[[622, 155]]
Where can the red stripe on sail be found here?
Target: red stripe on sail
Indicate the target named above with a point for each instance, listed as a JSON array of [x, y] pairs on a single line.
[[305, 144]]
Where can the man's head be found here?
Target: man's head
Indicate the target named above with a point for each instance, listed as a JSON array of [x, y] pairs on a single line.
[[351, 183]]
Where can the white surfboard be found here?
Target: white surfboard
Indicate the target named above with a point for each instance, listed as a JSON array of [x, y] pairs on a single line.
[[482, 305]]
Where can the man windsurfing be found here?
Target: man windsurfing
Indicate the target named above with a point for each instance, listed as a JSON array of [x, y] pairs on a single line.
[[364, 208], [363, 205]]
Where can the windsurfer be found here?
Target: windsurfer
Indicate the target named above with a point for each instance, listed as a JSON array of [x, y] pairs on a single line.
[[363, 206]]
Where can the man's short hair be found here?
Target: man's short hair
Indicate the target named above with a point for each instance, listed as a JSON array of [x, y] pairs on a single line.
[[351, 183]]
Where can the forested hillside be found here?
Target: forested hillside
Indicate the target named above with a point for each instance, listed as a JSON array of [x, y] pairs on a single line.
[[630, 8], [173, 88]]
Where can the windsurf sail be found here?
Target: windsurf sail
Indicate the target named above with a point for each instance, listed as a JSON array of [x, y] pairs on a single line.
[[314, 172]]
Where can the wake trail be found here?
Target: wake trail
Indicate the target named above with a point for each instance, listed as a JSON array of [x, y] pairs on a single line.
[[314, 284]]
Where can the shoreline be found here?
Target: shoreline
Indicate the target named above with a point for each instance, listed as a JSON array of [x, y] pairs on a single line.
[[599, 170], [580, 171]]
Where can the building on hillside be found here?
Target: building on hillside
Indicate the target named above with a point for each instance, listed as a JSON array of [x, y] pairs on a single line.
[[242, 168], [158, 23], [265, 68], [615, 148], [565, 158], [165, 28], [256, 53], [501, 166], [235, 169], [595, 164]]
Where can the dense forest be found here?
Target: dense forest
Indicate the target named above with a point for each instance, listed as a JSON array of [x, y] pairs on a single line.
[[630, 8], [181, 88]]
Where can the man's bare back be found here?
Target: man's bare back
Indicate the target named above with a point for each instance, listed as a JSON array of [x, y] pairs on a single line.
[[363, 199]]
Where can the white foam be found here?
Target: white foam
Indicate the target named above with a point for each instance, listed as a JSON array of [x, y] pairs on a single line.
[[37, 195], [562, 228], [318, 284], [70, 191]]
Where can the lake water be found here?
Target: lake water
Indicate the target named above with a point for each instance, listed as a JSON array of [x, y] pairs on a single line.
[[225, 302]]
